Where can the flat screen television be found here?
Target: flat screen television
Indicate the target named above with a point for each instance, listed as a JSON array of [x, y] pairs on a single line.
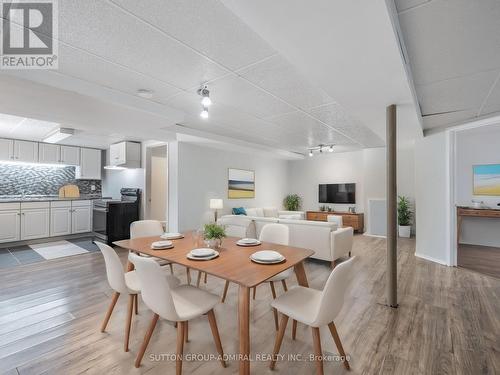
[[337, 193]]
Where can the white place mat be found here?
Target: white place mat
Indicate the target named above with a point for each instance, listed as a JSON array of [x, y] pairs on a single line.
[[58, 249]]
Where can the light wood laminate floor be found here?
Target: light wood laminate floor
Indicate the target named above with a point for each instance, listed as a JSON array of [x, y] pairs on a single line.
[[447, 322], [483, 259]]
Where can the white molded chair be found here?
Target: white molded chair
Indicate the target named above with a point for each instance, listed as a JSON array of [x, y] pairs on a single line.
[[342, 240], [315, 308], [178, 304], [279, 234], [121, 282], [337, 219]]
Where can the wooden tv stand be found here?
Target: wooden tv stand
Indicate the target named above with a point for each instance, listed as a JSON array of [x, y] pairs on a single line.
[[356, 221]]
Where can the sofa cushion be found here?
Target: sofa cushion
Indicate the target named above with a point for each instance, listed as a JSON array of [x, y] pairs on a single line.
[[260, 212], [270, 212], [251, 211], [291, 217], [239, 211]]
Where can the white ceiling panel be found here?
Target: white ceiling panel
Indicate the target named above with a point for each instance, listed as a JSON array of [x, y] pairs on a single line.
[[447, 39], [402, 5], [445, 119], [205, 25], [9, 123], [464, 93], [296, 121], [492, 104], [237, 93], [81, 65], [106, 31], [280, 78]]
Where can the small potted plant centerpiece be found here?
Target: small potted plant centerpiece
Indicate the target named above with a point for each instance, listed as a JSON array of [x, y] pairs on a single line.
[[404, 217], [292, 202], [214, 234]]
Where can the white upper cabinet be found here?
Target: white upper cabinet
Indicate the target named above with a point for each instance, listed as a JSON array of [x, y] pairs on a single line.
[[25, 151], [49, 153], [70, 155], [6, 149], [125, 154], [118, 153], [90, 164]]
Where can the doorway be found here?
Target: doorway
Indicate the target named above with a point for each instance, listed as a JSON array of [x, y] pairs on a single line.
[[156, 182]]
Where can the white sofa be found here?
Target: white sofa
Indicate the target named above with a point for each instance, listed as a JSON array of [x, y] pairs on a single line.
[[323, 238]]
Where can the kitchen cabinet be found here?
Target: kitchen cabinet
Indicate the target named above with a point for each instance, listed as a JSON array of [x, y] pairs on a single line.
[[49, 153], [25, 151], [81, 216], [125, 154], [35, 220], [118, 153], [70, 155], [90, 164], [10, 222], [60, 218], [6, 149], [57, 154]]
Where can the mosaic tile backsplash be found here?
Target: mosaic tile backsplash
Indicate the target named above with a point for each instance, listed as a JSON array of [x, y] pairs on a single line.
[[41, 180]]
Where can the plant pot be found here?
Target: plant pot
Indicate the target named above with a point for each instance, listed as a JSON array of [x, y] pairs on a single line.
[[404, 231], [213, 243]]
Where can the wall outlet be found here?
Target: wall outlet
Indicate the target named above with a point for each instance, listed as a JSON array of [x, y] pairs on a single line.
[[92, 187]]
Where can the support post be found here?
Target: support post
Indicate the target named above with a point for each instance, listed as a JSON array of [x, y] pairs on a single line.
[[392, 195]]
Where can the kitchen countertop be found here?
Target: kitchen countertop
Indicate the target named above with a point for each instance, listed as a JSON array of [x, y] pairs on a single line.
[[44, 198]]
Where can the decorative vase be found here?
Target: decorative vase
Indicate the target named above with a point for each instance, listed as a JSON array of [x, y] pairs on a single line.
[[213, 243], [404, 231]]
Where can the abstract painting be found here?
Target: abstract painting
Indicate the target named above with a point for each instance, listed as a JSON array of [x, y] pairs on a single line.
[[241, 184], [486, 179]]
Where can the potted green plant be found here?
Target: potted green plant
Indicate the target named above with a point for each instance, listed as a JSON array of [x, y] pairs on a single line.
[[214, 234], [292, 202], [404, 217]]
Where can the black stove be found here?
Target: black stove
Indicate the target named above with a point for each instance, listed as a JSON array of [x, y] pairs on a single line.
[[112, 217]]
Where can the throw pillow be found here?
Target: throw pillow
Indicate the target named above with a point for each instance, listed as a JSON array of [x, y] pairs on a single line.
[[270, 212], [239, 211]]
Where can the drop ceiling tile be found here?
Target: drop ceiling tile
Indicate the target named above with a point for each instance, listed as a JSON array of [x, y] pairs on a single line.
[[493, 102], [459, 94], [280, 78], [108, 32], [205, 25], [78, 64], [8, 124], [296, 121], [402, 5], [237, 93], [445, 119], [447, 39]]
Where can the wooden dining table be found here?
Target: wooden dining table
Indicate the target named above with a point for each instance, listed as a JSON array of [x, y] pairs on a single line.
[[232, 264]]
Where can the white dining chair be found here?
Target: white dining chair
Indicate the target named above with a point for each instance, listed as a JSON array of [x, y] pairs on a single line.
[[337, 219], [126, 283], [278, 234], [316, 309], [178, 304], [151, 228]]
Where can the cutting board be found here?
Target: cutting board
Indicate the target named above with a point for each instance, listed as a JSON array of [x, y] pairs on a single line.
[[69, 191]]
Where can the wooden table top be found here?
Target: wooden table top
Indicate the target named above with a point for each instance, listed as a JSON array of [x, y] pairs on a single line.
[[232, 264]]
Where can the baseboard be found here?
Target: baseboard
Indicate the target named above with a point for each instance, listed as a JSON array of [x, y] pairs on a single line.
[[426, 257], [45, 239], [373, 235]]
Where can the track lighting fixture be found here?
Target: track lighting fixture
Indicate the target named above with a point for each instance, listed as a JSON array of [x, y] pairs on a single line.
[[204, 113], [319, 148], [205, 100]]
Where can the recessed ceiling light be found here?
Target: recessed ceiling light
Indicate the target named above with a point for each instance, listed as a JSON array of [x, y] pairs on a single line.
[[144, 93], [58, 135]]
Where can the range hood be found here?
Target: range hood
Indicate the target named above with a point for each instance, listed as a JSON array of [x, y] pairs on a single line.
[[123, 155]]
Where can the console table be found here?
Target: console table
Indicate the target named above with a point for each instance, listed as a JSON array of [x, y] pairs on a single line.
[[491, 213], [356, 221]]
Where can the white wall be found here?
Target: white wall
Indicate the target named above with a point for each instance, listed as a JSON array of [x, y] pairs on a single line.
[[203, 172], [432, 197], [366, 168], [476, 146]]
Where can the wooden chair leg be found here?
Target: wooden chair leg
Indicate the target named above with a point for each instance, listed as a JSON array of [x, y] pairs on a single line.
[[171, 268], [336, 338], [128, 322], [110, 310], [186, 331], [180, 348], [188, 276], [198, 280], [279, 340], [224, 293], [294, 329], [317, 350], [275, 312], [205, 280], [254, 291], [215, 334], [145, 343], [136, 304], [285, 288]]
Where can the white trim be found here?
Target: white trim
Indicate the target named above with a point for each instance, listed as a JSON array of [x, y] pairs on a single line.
[[426, 257], [373, 235]]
